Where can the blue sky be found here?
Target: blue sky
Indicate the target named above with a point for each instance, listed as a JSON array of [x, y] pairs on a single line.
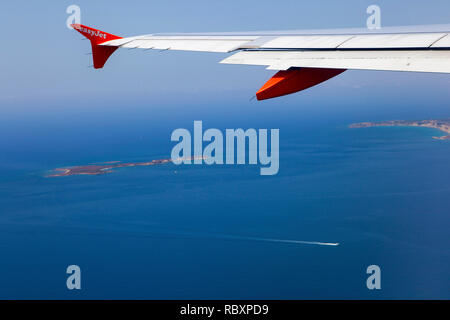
[[45, 63]]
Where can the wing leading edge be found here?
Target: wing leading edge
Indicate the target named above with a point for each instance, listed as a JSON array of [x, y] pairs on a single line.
[[302, 60]]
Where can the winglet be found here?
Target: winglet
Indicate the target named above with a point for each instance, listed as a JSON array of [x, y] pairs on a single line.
[[100, 54]]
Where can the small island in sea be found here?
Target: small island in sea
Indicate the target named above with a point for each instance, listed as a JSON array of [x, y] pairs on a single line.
[[105, 167], [443, 125], [96, 169]]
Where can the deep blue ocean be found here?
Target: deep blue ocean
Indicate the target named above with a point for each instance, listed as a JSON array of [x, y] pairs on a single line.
[[204, 232]]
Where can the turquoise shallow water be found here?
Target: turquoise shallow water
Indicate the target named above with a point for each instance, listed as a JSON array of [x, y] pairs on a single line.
[[204, 232]]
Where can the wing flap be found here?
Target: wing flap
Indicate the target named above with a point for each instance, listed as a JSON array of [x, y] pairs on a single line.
[[418, 61]]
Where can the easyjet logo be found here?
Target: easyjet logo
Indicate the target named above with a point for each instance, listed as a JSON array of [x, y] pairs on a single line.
[[95, 33]]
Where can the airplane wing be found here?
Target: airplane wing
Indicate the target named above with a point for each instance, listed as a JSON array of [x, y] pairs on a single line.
[[302, 58]]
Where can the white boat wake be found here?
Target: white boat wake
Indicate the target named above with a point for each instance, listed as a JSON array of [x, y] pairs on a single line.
[[318, 243]]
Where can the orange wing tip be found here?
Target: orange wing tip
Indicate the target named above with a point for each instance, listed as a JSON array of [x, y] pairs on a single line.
[[100, 54], [294, 80]]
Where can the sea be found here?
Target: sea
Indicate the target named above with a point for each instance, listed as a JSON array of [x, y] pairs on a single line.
[[380, 195]]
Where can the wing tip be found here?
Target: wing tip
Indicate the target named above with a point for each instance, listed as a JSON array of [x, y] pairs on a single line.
[[100, 54]]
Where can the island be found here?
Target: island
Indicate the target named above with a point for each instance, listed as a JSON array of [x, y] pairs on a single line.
[[443, 125], [105, 167]]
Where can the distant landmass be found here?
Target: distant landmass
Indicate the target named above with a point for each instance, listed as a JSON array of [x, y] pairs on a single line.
[[105, 167], [443, 125]]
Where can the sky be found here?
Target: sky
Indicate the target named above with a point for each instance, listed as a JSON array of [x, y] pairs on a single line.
[[45, 65]]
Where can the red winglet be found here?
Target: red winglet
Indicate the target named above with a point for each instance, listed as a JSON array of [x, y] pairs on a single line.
[[293, 80], [100, 54]]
